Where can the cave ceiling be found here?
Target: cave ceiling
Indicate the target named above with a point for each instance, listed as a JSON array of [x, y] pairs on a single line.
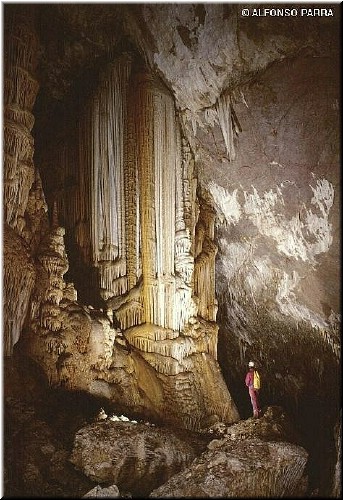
[[204, 52], [200, 50]]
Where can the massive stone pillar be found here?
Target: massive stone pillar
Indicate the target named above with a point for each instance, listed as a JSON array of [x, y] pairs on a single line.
[[23, 203], [127, 198]]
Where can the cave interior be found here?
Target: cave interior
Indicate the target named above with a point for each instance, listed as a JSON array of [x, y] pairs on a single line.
[[171, 211]]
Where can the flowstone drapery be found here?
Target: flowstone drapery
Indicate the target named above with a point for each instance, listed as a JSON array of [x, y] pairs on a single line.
[[138, 225], [23, 200], [20, 90]]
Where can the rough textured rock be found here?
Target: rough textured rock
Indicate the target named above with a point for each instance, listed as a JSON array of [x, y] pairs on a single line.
[[248, 469], [337, 476], [204, 479], [250, 459], [21, 89], [98, 492], [274, 425], [134, 456], [42, 434], [18, 286]]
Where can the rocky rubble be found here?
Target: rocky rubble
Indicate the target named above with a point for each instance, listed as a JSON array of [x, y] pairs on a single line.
[[112, 456], [250, 459]]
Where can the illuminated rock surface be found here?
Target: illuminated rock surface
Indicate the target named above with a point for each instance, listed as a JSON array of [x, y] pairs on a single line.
[[134, 456], [249, 469]]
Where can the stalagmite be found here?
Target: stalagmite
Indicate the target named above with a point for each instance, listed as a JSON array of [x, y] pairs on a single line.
[[54, 261]]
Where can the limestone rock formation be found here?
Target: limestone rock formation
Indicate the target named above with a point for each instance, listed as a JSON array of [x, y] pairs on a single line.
[[99, 492], [129, 204], [134, 456], [20, 91], [24, 205], [255, 458], [249, 469]]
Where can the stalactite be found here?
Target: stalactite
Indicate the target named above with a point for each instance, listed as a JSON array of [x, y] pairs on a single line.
[[180, 224], [204, 285], [20, 88], [204, 270], [18, 287], [107, 218], [227, 124], [21, 40], [54, 295], [189, 188], [18, 142], [178, 348], [132, 196], [13, 113], [145, 144], [184, 261], [131, 314], [166, 365], [96, 210]]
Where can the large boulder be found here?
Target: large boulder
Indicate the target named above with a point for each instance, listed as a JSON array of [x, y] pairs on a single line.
[[135, 456], [250, 468], [252, 458]]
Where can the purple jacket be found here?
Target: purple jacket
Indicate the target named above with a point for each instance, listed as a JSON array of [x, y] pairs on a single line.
[[249, 379]]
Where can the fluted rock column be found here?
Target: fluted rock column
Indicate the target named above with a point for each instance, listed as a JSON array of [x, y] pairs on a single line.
[[19, 175], [134, 215], [19, 278], [157, 159], [20, 91]]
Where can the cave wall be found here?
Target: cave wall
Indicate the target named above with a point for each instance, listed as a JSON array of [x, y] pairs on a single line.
[[279, 230]]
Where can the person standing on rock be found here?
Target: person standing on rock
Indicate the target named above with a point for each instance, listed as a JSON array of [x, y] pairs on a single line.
[[253, 382]]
